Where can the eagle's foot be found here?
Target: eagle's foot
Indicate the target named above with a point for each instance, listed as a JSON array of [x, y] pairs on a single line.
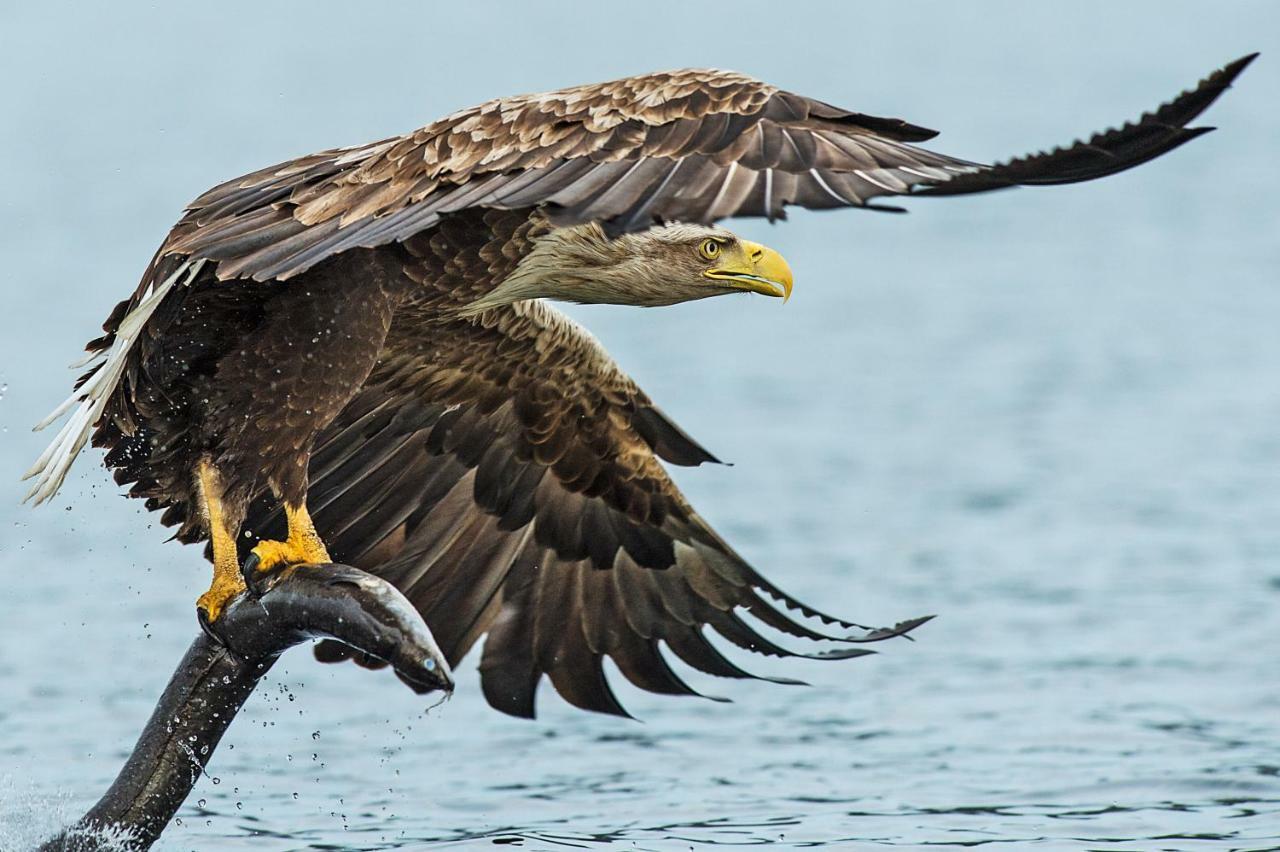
[[227, 583], [303, 546], [268, 555], [226, 586]]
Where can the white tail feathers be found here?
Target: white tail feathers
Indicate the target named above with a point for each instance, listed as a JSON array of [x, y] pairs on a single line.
[[90, 399]]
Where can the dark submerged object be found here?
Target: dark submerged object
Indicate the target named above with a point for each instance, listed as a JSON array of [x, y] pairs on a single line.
[[218, 674]]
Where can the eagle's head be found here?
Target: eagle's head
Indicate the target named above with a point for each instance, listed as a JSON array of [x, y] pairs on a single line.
[[661, 266]]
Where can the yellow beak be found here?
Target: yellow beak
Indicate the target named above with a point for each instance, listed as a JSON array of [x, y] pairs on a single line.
[[759, 270]]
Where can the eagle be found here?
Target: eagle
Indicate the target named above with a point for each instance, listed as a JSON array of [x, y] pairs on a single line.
[[352, 357]]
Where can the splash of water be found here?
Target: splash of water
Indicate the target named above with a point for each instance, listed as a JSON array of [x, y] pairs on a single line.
[[29, 816]]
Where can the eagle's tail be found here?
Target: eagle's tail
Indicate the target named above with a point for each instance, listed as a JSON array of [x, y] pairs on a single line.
[[89, 399]]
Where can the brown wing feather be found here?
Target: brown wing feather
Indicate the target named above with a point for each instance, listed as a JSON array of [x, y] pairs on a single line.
[[1106, 153], [692, 145], [505, 475]]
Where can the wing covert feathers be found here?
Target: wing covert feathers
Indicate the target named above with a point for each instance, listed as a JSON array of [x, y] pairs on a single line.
[[694, 145]]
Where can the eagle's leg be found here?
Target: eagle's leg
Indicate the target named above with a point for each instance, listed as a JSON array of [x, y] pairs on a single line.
[[227, 581], [303, 544], [288, 378]]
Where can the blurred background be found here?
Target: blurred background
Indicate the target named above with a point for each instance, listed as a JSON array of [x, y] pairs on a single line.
[[1049, 416]]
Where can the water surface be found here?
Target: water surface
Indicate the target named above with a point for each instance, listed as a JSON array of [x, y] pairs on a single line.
[[1049, 417]]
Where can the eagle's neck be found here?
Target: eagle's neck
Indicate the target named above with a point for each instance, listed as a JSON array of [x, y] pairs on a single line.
[[576, 264]]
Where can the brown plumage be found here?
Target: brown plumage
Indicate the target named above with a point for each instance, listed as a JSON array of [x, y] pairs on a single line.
[[359, 332]]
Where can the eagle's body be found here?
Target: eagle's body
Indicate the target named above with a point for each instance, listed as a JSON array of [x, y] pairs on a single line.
[[359, 336], [247, 373]]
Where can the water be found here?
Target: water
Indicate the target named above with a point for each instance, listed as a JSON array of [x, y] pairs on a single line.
[[1049, 417]]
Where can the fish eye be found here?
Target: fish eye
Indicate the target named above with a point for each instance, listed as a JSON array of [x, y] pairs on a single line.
[[710, 249]]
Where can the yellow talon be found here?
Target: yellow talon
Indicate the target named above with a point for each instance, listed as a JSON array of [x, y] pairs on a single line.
[[226, 585], [227, 581], [304, 544]]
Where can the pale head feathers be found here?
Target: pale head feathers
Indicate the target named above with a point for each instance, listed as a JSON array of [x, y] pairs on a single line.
[[660, 266]]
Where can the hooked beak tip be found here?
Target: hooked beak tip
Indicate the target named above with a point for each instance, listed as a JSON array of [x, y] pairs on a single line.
[[768, 273], [772, 267]]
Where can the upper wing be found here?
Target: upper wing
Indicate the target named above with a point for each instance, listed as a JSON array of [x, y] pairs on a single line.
[[505, 475], [691, 145]]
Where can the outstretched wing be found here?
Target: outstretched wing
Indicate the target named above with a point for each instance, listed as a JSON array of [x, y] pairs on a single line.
[[692, 145], [505, 475]]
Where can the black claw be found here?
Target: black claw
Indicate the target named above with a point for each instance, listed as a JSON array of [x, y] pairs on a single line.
[[255, 579], [206, 625], [249, 568]]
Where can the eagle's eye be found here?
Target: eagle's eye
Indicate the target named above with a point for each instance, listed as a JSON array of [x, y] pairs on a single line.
[[710, 249]]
